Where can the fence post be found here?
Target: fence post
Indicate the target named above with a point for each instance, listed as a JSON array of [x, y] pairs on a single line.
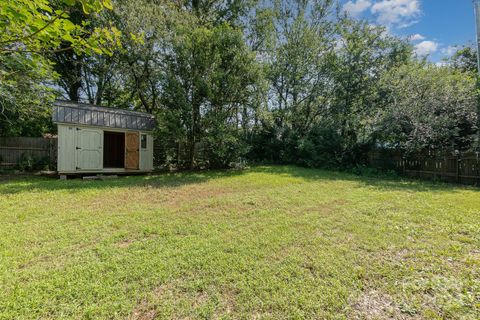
[[477, 170], [457, 168], [178, 154], [51, 153], [444, 168]]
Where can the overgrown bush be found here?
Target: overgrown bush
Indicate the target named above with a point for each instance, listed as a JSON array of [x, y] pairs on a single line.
[[320, 148], [29, 162], [225, 150], [265, 146]]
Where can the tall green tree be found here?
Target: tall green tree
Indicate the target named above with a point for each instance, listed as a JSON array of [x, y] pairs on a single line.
[[294, 42], [363, 55], [465, 59], [298, 63], [429, 108], [209, 82]]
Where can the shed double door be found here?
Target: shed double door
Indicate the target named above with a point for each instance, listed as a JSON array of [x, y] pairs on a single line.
[[132, 150]]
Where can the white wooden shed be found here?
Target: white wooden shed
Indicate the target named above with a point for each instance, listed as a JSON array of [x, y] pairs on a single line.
[[94, 139]]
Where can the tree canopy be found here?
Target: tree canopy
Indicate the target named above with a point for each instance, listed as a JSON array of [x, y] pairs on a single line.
[[292, 81], [30, 31]]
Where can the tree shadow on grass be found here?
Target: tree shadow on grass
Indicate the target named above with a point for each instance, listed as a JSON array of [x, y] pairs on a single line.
[[19, 184], [174, 180], [386, 183]]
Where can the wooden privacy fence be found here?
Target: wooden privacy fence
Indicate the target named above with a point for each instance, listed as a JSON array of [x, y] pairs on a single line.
[[460, 168], [14, 150]]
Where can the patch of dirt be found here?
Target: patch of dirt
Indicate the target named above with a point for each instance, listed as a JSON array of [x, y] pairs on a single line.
[[261, 315], [375, 304], [199, 299], [172, 292], [145, 309], [176, 294], [30, 263], [327, 208], [158, 197], [396, 255], [475, 255], [142, 312], [125, 243], [227, 303]]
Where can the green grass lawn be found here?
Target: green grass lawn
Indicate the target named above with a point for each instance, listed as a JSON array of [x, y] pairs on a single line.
[[265, 243]]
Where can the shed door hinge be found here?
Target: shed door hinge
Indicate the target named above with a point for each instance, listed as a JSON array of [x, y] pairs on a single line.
[[78, 148], [78, 168]]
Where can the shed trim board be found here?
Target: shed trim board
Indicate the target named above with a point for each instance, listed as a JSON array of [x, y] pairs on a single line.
[[102, 128], [86, 148]]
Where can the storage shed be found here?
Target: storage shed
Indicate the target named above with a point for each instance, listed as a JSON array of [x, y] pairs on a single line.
[[94, 139]]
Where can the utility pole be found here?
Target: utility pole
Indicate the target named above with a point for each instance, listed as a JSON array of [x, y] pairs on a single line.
[[476, 4]]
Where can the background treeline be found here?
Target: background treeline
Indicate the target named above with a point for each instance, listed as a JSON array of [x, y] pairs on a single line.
[[292, 81]]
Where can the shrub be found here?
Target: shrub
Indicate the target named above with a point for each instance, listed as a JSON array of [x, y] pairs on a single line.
[[225, 149], [320, 148], [29, 162]]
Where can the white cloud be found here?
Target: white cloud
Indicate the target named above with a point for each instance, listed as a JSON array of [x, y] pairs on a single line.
[[441, 64], [417, 37], [449, 51], [398, 13], [425, 48], [355, 8]]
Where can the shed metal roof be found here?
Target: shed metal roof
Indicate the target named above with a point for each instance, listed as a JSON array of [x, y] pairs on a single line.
[[92, 115]]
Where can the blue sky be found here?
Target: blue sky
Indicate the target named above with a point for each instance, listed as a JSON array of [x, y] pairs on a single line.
[[436, 26]]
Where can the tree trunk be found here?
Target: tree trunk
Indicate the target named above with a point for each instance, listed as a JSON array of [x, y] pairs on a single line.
[[74, 90], [100, 89], [194, 132]]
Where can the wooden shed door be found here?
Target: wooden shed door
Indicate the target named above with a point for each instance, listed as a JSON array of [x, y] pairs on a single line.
[[132, 157]]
